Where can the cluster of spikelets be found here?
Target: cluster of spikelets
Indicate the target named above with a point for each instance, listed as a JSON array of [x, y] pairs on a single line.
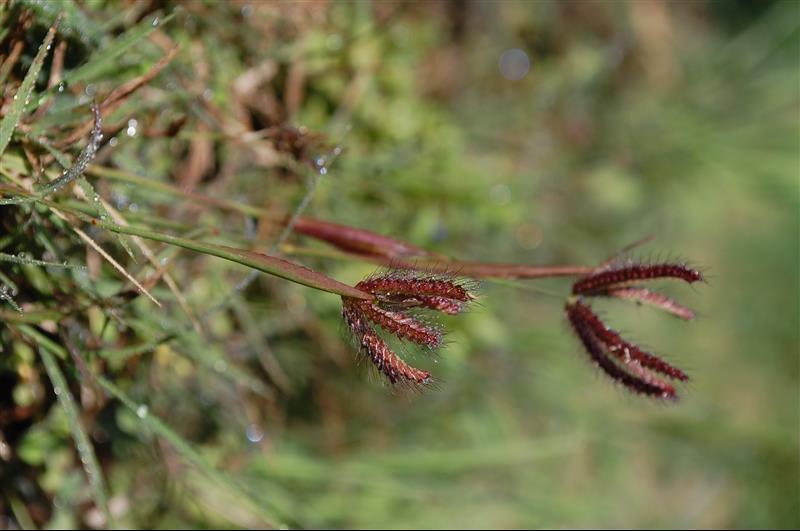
[[399, 294], [621, 360]]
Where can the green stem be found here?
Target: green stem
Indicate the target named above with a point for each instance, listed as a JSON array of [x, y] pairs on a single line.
[[262, 262]]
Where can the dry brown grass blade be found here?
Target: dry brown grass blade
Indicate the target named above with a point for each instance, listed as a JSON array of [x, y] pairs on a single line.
[[199, 161], [11, 60]]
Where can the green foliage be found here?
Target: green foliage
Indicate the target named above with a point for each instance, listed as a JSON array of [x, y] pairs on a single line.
[[246, 408]]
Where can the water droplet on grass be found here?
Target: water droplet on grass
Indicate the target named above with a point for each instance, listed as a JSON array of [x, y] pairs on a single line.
[[132, 125], [514, 64], [254, 433]]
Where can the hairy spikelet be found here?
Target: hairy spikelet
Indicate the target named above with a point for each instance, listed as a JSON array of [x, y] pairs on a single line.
[[389, 363], [598, 353], [626, 352], [634, 367], [402, 325], [407, 285], [650, 298], [440, 304], [626, 275], [395, 292], [385, 360]]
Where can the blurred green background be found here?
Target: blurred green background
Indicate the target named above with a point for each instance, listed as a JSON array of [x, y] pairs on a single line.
[[611, 122]]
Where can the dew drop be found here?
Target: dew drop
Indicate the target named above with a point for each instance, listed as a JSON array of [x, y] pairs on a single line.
[[155, 22], [142, 411], [514, 64], [132, 125], [90, 90], [121, 201], [254, 433]]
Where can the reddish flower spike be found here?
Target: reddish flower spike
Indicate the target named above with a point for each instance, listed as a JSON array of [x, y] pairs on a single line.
[[597, 351], [402, 325], [391, 291], [416, 287], [622, 349], [389, 363], [651, 298], [385, 360], [440, 304], [620, 276]]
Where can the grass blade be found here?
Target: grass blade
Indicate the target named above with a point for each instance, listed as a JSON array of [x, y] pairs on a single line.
[[48, 348], [23, 95], [92, 197], [82, 443], [111, 53], [23, 260], [158, 427], [262, 262], [6, 296], [84, 158], [110, 259]]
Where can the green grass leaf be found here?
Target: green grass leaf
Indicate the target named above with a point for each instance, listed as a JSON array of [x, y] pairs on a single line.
[[110, 55], [184, 448], [82, 443], [48, 348], [23, 95], [266, 264]]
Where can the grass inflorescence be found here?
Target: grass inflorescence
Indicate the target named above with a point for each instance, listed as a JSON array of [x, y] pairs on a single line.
[[190, 195]]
